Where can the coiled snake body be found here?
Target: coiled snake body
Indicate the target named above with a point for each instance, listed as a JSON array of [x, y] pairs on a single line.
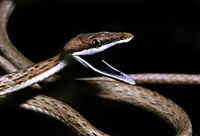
[[76, 49]]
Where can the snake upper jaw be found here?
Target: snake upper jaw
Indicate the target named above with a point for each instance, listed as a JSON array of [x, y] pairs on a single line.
[[100, 66]]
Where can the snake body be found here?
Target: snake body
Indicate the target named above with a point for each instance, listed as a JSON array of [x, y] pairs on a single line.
[[110, 89], [117, 91], [32, 74]]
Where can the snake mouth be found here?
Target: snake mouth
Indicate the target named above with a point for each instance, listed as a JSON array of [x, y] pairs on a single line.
[[102, 67]]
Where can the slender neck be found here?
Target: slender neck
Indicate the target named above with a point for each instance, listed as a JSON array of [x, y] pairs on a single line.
[[33, 74]]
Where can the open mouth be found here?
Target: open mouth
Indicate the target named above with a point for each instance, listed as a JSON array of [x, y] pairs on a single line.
[[102, 67]]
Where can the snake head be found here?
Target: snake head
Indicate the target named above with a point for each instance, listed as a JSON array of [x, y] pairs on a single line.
[[84, 45], [92, 43]]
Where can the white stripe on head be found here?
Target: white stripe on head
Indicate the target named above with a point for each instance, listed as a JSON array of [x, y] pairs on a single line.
[[92, 51]]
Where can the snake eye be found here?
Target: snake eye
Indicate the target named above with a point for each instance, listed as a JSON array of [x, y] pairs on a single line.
[[96, 43]]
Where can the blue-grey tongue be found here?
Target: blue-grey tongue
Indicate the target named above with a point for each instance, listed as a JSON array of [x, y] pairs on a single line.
[[104, 68]]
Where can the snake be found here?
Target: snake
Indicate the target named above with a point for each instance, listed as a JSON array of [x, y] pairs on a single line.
[[75, 49], [81, 49]]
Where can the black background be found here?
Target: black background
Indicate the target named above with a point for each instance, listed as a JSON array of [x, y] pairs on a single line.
[[167, 39]]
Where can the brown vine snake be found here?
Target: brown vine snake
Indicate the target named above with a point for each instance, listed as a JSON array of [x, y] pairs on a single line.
[[136, 95]]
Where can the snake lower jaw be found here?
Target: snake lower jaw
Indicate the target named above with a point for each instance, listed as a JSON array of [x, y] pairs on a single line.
[[102, 67]]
